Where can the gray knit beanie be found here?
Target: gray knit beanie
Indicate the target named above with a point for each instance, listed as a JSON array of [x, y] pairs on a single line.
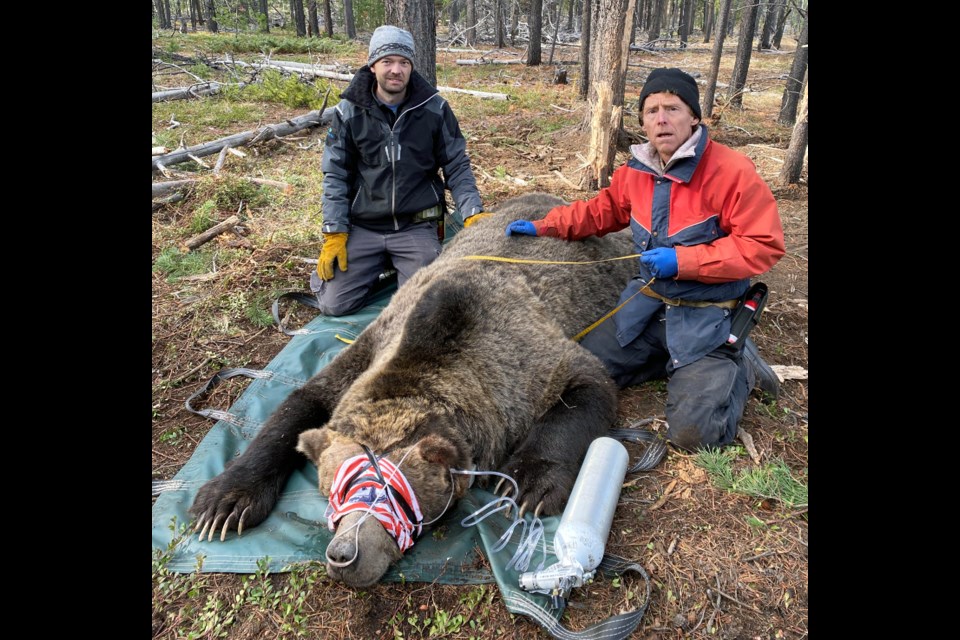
[[390, 41]]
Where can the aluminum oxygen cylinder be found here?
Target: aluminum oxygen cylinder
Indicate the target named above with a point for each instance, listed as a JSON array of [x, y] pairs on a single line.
[[585, 525]]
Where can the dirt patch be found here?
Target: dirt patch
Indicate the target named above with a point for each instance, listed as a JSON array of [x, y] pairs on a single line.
[[717, 559]]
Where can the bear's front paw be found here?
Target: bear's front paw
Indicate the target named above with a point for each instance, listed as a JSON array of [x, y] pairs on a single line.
[[233, 500], [544, 485]]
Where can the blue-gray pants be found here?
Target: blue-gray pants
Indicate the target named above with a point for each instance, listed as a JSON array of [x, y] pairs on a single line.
[[369, 253], [705, 399]]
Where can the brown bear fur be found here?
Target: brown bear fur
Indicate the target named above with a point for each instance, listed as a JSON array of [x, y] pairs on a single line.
[[471, 365]]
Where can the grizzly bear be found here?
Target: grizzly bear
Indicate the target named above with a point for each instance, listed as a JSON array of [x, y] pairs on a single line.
[[472, 365]]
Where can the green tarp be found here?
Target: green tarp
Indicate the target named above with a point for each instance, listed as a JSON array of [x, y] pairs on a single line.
[[296, 530]]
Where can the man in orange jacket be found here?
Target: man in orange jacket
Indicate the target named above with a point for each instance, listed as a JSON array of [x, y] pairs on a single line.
[[704, 222]]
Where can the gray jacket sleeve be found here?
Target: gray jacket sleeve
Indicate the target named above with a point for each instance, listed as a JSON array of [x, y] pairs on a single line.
[[456, 166], [338, 164]]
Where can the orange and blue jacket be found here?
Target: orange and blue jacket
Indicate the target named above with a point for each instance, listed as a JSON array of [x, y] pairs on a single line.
[[714, 209]]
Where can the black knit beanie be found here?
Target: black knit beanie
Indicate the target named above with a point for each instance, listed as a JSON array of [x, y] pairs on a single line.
[[675, 81]]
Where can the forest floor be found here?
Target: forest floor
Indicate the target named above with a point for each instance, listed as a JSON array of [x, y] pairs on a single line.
[[724, 564]]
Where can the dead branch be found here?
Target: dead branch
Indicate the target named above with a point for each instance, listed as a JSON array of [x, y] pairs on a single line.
[[161, 189], [566, 180], [198, 90], [302, 69], [663, 499], [312, 119], [211, 233], [732, 599], [477, 94], [491, 61], [170, 199], [744, 436], [220, 160]]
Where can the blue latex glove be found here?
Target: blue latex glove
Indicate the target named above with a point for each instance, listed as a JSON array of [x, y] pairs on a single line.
[[661, 261], [521, 227]]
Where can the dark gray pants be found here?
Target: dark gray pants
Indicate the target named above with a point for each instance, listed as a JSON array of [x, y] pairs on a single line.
[[705, 399], [369, 253]]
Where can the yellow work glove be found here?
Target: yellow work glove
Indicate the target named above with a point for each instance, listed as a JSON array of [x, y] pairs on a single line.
[[469, 221], [334, 248]]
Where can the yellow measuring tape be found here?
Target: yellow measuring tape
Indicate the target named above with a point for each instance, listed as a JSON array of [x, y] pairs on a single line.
[[523, 261], [593, 326], [580, 335]]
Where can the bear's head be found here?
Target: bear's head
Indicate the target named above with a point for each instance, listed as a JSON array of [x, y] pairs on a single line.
[[365, 544]]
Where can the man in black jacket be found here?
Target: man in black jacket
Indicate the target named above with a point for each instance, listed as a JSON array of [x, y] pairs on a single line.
[[382, 192]]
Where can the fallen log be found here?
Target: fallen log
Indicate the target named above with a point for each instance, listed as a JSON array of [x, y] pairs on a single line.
[[211, 233], [472, 61], [490, 61], [161, 189], [299, 68], [477, 94], [268, 132], [197, 90]]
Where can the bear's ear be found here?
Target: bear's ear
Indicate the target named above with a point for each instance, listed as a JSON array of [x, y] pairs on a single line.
[[438, 450], [313, 442]]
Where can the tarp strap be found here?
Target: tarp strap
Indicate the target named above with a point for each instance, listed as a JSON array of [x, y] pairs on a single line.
[[615, 627], [302, 297], [225, 374], [656, 444]]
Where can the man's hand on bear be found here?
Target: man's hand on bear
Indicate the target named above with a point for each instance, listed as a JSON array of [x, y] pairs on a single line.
[[334, 248], [521, 227], [661, 261]]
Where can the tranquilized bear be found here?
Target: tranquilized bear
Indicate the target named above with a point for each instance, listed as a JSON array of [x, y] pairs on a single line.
[[471, 365]]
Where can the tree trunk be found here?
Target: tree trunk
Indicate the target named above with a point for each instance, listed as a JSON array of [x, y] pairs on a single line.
[[196, 14], [419, 18], [212, 17], [296, 14], [163, 14], [514, 22], [793, 164], [556, 34], [499, 34], [583, 86], [327, 18], [748, 27], [609, 73], [791, 93], [708, 14], [711, 87], [570, 15], [769, 12], [781, 23], [686, 22], [535, 23], [313, 20], [264, 17], [349, 24], [471, 26], [656, 17]]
